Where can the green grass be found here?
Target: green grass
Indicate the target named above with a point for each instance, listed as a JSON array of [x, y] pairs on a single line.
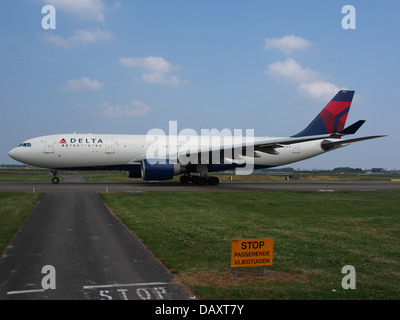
[[315, 235], [15, 207]]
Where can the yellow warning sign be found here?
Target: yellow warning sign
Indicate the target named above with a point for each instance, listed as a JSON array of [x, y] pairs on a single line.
[[252, 252]]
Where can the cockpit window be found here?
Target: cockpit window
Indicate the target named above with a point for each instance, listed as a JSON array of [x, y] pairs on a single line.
[[25, 145]]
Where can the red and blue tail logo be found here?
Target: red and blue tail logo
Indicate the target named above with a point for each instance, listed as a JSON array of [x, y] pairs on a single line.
[[332, 118]]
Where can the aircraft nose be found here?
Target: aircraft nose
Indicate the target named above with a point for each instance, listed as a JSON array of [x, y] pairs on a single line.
[[13, 153]]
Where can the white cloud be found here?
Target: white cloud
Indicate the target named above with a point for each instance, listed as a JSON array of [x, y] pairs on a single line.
[[154, 64], [85, 9], [287, 44], [136, 108], [319, 90], [290, 71], [310, 83], [83, 84], [82, 36], [161, 78], [158, 70]]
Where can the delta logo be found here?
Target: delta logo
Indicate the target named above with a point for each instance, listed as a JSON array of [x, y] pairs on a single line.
[[81, 140]]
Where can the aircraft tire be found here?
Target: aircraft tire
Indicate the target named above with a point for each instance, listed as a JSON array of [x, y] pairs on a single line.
[[213, 181], [55, 180]]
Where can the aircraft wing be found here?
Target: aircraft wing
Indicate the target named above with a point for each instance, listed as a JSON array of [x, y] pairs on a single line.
[[228, 152], [270, 145]]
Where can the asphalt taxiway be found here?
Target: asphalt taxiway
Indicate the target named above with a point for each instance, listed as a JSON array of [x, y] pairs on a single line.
[[71, 242], [92, 254]]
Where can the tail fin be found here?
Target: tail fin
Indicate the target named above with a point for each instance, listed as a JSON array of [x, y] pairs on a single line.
[[332, 118]]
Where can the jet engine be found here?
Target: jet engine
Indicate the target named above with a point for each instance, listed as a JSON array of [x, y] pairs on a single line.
[[155, 169]]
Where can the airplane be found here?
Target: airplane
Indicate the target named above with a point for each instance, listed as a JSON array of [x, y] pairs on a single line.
[[150, 158]]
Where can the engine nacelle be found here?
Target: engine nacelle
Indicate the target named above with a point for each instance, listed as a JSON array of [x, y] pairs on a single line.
[[154, 169]]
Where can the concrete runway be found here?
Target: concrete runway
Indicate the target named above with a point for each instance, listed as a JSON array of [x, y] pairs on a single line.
[[94, 256]]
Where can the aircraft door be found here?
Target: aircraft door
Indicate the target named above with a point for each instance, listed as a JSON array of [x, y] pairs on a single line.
[[49, 146], [296, 148]]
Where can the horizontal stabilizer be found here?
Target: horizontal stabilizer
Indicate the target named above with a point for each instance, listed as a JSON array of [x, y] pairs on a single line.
[[353, 128], [329, 145]]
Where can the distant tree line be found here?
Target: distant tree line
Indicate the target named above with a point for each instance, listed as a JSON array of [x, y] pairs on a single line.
[[348, 170], [336, 170], [356, 170], [377, 170]]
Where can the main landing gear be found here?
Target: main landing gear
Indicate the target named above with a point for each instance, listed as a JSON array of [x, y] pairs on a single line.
[[200, 180], [55, 179]]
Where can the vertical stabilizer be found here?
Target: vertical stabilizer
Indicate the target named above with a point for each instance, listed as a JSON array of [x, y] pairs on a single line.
[[332, 118]]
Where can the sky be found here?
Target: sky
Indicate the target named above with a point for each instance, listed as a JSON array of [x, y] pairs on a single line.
[[126, 67]]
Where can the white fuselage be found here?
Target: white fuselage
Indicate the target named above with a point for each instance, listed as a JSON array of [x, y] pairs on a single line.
[[105, 150]]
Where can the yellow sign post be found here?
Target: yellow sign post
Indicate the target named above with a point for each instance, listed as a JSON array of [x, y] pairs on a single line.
[[251, 253]]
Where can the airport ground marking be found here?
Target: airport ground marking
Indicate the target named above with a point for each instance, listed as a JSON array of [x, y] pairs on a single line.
[[26, 291], [144, 291], [117, 285]]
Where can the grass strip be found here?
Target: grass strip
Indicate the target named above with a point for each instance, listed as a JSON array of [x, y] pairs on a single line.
[[315, 235], [15, 207]]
